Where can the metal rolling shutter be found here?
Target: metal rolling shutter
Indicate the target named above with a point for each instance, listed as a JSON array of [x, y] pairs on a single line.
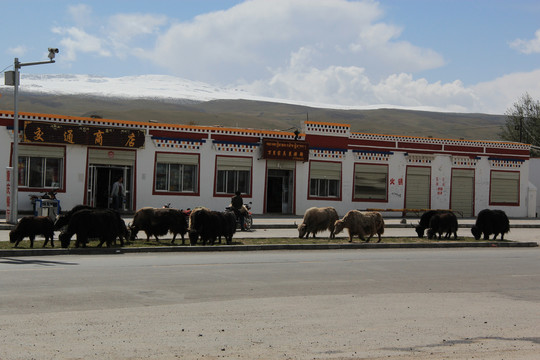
[[417, 195], [504, 187], [462, 198], [111, 157]]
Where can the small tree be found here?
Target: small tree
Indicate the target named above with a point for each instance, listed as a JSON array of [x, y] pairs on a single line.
[[522, 123]]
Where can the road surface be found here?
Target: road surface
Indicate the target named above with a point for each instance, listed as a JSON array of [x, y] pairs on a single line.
[[336, 304]]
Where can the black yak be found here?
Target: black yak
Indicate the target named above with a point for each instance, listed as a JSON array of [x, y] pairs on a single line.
[[63, 219], [211, 225], [424, 221], [491, 222], [31, 226], [105, 224], [158, 222], [443, 222]]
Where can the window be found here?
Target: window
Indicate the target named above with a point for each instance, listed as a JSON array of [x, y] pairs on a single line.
[[233, 174], [176, 172], [504, 188], [370, 182], [325, 179], [41, 167]]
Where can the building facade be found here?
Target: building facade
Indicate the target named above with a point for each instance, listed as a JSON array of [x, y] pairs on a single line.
[[324, 164]]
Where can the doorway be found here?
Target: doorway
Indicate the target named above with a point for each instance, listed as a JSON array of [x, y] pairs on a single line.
[[279, 191], [100, 181]]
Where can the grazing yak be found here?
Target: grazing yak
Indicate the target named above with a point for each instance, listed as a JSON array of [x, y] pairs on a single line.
[[158, 222], [424, 221], [63, 219], [211, 225], [491, 222], [31, 226], [317, 220], [360, 223], [441, 223], [105, 224]]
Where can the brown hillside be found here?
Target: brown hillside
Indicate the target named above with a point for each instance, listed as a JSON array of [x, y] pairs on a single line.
[[263, 115]]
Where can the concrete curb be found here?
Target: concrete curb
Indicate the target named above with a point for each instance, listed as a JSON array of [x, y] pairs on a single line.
[[222, 248]]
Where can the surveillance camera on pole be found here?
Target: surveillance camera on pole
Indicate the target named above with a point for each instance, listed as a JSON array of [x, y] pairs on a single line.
[[13, 79], [52, 52]]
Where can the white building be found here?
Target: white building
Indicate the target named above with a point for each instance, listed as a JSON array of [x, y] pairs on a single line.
[[325, 164]]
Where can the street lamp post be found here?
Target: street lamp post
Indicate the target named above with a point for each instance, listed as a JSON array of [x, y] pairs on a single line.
[[15, 160]]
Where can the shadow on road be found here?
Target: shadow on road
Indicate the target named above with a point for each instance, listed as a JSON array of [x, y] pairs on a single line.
[[34, 261]]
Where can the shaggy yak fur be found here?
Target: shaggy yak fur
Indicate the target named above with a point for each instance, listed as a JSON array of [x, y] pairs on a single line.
[[31, 226], [424, 221], [211, 225], [159, 221], [443, 222], [317, 220], [105, 224], [362, 224], [491, 222], [63, 219]]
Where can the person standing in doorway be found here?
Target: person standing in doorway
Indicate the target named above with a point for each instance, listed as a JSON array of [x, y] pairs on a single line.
[[118, 193]]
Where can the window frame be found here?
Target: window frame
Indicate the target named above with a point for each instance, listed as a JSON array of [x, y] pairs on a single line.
[[181, 165], [324, 180], [517, 190], [366, 199], [29, 154], [228, 168]]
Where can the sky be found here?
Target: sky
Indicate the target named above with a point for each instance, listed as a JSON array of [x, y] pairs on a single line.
[[472, 56]]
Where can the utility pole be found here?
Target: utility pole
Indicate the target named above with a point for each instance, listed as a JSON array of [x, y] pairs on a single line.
[[15, 159]]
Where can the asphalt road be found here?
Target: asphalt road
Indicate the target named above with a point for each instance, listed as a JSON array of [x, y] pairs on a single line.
[[335, 304]]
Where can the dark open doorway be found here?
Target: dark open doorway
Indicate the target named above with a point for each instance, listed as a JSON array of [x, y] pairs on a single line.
[[279, 197]]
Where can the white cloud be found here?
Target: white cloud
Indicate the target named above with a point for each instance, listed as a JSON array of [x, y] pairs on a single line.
[[333, 52], [253, 39], [81, 14], [531, 46], [18, 50], [78, 41], [499, 94]]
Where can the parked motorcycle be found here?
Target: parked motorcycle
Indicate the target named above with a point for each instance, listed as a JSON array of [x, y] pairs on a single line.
[[248, 217]]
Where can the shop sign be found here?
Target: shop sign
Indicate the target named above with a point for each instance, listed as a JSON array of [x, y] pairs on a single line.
[[43, 132], [285, 150], [9, 173]]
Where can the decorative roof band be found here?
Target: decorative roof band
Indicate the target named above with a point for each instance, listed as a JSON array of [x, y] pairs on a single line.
[[374, 152], [505, 163], [186, 144], [327, 153], [179, 139], [235, 146], [367, 155]]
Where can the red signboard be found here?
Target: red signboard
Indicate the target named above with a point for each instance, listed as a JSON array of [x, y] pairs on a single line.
[[43, 132], [285, 150]]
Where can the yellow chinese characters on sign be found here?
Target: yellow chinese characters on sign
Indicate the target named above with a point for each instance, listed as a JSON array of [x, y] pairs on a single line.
[[98, 137], [131, 140], [38, 134]]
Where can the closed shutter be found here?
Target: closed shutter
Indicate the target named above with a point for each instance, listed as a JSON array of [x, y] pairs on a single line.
[[462, 198], [111, 157], [41, 151], [325, 170], [417, 195], [170, 158], [504, 187], [280, 164], [233, 163]]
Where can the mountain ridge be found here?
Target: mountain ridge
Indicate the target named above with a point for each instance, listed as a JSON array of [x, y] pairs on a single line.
[[258, 114]]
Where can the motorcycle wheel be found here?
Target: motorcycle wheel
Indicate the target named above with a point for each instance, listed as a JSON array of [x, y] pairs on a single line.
[[248, 221]]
